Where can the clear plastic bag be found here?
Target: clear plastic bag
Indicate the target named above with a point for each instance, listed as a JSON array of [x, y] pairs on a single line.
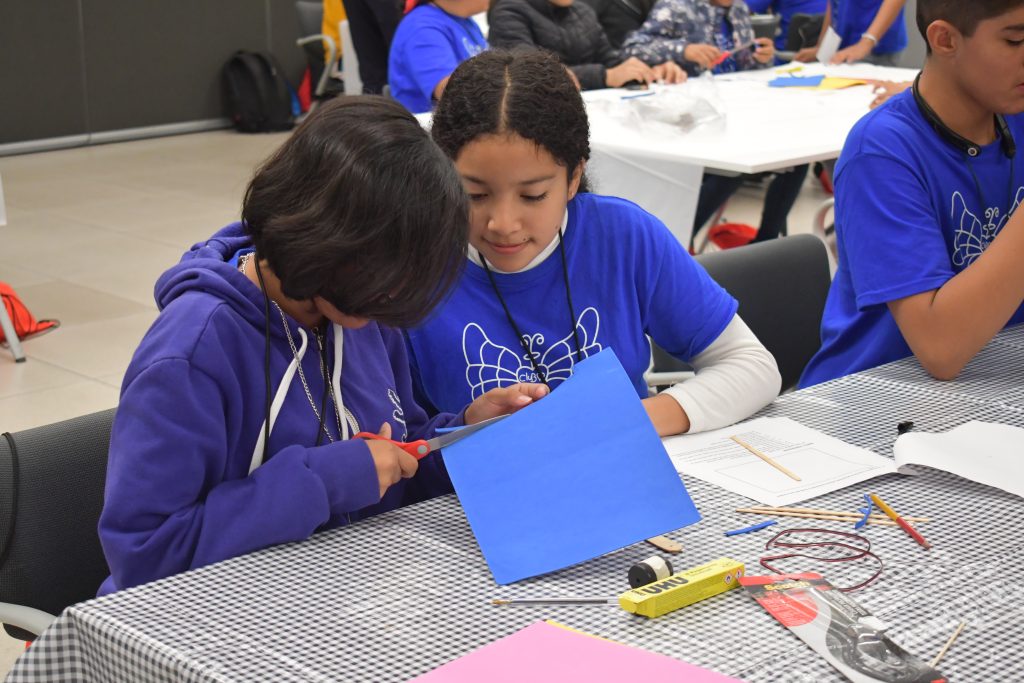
[[677, 109]]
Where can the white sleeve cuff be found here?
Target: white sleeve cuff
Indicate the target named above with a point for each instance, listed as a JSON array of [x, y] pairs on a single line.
[[735, 376]]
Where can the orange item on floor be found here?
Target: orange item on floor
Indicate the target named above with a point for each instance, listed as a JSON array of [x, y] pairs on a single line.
[[730, 235], [25, 325]]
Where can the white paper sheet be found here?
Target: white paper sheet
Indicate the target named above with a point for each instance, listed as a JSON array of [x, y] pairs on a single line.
[[984, 452], [829, 46], [822, 462]]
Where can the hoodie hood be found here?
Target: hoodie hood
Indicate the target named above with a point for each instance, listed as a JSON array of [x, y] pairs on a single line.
[[208, 268]]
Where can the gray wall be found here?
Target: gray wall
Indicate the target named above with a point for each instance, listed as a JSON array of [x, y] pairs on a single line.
[[913, 57], [80, 67]]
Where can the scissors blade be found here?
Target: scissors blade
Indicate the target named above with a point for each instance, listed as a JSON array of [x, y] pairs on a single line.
[[442, 440]]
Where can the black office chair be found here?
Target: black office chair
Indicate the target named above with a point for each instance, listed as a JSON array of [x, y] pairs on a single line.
[[781, 287], [804, 31], [51, 495], [311, 16], [765, 25]]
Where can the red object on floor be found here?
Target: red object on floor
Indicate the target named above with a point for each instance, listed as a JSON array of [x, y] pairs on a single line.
[[826, 181], [305, 90], [25, 324], [730, 235]]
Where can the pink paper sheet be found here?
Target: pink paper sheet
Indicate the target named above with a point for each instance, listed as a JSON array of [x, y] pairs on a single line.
[[545, 653]]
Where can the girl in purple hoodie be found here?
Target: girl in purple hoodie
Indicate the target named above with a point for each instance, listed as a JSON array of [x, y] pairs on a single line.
[[276, 343]]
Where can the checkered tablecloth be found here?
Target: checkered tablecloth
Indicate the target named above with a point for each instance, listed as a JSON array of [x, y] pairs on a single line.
[[402, 593]]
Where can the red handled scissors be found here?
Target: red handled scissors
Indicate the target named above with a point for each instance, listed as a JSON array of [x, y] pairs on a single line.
[[729, 53], [422, 447]]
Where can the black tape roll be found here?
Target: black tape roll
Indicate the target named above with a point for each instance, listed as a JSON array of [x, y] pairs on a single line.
[[652, 569]]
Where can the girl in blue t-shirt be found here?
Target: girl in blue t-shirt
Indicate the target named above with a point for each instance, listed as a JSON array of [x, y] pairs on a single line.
[[556, 274], [430, 42]]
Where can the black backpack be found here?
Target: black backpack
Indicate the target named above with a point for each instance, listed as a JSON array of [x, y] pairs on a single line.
[[257, 99]]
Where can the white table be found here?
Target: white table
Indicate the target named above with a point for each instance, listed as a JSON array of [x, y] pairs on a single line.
[[763, 129]]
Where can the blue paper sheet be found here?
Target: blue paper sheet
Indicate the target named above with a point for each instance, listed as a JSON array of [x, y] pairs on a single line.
[[576, 475], [796, 82]]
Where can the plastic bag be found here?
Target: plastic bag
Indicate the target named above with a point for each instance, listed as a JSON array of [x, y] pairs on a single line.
[[677, 108]]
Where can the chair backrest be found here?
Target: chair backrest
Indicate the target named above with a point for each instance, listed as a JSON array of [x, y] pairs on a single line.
[[803, 31], [311, 16], [781, 287], [765, 25], [51, 495]]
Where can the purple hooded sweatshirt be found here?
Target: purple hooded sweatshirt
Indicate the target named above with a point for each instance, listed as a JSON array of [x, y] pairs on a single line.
[[185, 484]]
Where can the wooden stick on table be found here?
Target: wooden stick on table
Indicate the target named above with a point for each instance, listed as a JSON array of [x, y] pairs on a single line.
[[764, 457], [942, 653], [878, 521], [766, 509]]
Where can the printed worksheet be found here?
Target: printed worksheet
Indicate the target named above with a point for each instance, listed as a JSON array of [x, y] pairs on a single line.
[[822, 463]]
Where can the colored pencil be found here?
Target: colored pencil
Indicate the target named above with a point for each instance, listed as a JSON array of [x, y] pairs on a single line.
[[891, 514], [764, 457]]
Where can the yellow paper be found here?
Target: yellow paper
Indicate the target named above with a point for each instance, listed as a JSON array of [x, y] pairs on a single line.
[[836, 83]]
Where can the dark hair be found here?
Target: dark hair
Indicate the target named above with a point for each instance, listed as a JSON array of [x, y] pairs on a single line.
[[526, 92], [963, 14], [360, 207]]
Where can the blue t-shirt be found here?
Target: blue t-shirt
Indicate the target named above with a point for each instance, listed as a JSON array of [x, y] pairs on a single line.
[[908, 218], [427, 46], [628, 276], [786, 9], [851, 18], [725, 42]]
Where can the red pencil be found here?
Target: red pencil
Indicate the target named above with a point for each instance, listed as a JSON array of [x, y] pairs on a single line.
[[904, 524]]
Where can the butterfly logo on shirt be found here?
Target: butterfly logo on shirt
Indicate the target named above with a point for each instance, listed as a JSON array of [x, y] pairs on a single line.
[[471, 47], [971, 236], [398, 415], [490, 365]]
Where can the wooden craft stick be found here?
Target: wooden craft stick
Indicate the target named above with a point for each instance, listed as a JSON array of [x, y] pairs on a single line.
[[942, 653], [877, 521], [818, 511], [666, 544], [764, 457]]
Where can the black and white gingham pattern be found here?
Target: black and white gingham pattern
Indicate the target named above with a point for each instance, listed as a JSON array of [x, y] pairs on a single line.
[[400, 594]]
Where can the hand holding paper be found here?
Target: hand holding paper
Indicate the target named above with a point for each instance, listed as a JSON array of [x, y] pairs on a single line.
[[504, 400], [576, 475]]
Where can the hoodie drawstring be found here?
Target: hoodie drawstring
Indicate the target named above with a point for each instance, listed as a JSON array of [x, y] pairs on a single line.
[[347, 423]]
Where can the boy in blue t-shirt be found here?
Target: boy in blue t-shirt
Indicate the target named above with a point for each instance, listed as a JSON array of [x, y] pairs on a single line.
[[872, 31], [430, 42], [927, 187]]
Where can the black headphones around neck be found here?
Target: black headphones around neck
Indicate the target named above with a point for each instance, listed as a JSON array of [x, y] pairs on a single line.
[[972, 150]]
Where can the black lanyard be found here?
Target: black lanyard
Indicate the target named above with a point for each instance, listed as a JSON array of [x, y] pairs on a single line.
[[981, 194], [515, 328]]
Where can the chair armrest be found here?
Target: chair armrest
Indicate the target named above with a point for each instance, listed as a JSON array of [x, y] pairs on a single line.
[[26, 618], [332, 57]]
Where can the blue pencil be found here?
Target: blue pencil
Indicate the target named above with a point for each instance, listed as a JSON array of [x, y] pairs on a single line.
[[747, 530]]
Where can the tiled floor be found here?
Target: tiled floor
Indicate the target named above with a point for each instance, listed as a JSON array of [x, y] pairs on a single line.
[[89, 230]]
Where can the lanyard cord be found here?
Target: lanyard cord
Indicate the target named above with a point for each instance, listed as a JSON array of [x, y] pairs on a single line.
[[515, 328], [981, 195]]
